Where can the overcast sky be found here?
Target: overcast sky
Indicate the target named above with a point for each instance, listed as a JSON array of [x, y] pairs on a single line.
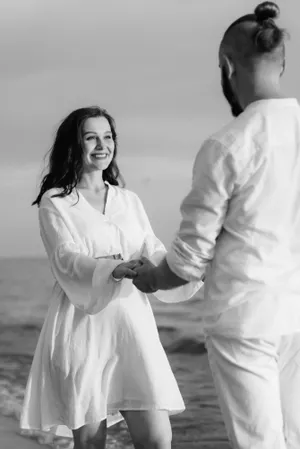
[[152, 63]]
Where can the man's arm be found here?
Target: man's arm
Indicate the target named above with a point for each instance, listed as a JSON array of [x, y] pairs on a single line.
[[203, 211], [151, 278], [165, 278], [203, 214]]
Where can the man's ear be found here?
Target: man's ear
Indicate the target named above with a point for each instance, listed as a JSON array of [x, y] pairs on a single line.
[[283, 67], [228, 65]]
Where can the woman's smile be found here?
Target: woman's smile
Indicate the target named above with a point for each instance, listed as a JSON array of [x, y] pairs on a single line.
[[99, 155]]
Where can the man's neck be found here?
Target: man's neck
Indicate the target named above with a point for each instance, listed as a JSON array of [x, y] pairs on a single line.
[[259, 87]]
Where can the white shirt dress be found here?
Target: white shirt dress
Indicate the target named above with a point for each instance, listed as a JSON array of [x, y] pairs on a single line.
[[99, 350]]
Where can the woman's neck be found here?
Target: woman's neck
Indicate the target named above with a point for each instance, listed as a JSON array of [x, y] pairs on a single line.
[[92, 182]]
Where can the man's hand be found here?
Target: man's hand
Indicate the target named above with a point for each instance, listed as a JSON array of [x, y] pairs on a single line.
[[145, 276], [126, 270]]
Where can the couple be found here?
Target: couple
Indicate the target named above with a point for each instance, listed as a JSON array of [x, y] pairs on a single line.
[[99, 358]]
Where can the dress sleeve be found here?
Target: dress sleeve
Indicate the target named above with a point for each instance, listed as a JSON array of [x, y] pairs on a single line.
[[87, 282], [203, 211], [155, 251]]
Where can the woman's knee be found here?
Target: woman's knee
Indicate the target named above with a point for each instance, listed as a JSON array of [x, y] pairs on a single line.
[[90, 436], [149, 429]]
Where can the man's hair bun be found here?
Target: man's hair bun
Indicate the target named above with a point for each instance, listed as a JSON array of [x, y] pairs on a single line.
[[266, 10]]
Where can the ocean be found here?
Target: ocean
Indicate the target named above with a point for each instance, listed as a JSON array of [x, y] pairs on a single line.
[[25, 285]]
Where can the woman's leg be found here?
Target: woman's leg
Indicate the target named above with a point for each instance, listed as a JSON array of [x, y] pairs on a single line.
[[149, 429], [90, 436]]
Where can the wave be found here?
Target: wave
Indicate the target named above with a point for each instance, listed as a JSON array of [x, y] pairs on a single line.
[[164, 328], [187, 345], [21, 327], [174, 342], [21, 339]]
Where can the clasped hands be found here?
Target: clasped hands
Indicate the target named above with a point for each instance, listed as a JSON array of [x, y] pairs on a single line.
[[141, 271]]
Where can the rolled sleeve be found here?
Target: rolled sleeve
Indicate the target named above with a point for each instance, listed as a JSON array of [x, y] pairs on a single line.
[[203, 211]]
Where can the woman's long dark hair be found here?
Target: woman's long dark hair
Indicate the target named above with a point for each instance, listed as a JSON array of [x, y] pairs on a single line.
[[65, 165]]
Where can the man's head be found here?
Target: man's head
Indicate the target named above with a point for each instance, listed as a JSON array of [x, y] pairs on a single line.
[[251, 52]]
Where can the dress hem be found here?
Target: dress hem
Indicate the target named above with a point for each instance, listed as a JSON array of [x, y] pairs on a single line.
[[53, 427]]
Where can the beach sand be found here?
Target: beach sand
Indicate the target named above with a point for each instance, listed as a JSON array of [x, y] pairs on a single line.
[[11, 439]]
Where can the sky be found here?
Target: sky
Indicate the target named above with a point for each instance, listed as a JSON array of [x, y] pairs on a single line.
[[153, 64]]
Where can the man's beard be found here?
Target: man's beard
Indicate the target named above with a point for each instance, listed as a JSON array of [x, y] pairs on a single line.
[[236, 109]]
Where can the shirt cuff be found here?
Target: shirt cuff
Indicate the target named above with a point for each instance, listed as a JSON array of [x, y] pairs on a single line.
[[185, 263]]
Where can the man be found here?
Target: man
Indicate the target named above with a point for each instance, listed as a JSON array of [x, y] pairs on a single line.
[[240, 229]]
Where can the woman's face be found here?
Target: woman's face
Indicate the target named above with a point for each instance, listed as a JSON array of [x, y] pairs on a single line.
[[98, 144]]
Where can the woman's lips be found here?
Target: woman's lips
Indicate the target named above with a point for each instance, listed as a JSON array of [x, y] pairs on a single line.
[[100, 155]]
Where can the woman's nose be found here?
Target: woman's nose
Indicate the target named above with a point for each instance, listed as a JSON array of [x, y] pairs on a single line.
[[99, 143]]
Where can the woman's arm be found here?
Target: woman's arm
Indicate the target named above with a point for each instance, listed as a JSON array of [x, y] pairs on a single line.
[[86, 281]]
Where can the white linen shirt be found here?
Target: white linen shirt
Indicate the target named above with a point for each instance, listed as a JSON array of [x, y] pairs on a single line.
[[241, 223]]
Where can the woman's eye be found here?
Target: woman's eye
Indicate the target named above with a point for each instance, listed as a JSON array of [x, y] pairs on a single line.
[[108, 137], [90, 138]]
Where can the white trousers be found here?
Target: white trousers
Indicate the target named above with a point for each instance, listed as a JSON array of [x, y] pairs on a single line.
[[258, 387]]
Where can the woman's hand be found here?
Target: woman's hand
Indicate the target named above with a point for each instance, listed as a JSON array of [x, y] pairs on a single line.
[[146, 278], [126, 269]]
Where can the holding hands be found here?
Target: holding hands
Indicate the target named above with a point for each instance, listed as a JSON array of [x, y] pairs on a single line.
[[126, 269], [145, 280], [141, 271]]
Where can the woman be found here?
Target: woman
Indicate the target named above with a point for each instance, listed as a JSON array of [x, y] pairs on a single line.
[[99, 358]]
